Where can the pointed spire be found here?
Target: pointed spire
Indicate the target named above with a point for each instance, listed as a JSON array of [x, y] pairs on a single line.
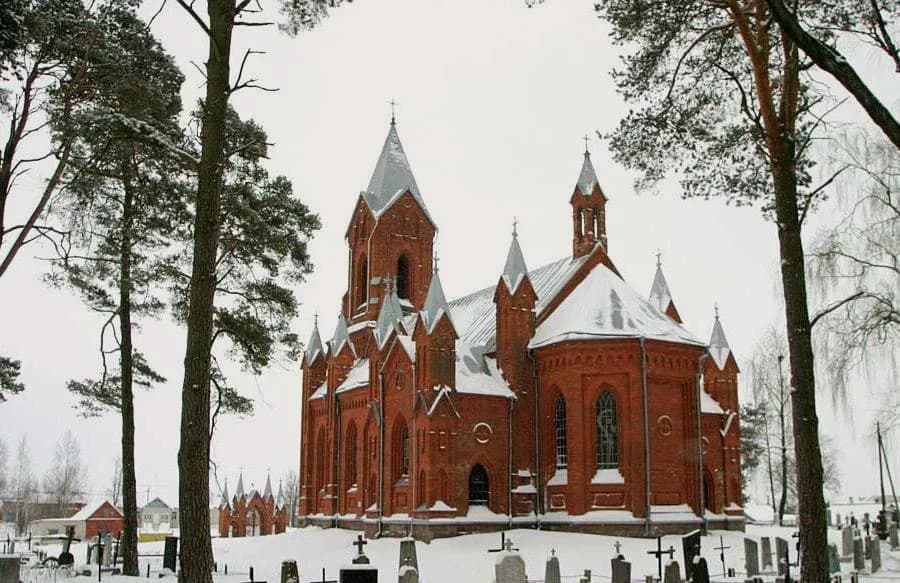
[[267, 493], [587, 180], [660, 296], [515, 269], [239, 493], [435, 303], [392, 176], [314, 346], [390, 314], [341, 336], [224, 502], [279, 500], [718, 344]]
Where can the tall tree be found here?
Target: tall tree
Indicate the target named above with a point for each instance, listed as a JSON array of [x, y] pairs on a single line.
[[114, 491], [125, 204], [66, 478], [721, 98], [290, 482], [870, 20], [9, 378], [23, 486], [753, 443], [193, 453]]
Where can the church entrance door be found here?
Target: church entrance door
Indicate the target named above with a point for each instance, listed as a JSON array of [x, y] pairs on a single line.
[[479, 487]]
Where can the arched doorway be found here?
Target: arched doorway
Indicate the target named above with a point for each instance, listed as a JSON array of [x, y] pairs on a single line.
[[253, 522], [479, 487], [709, 492]]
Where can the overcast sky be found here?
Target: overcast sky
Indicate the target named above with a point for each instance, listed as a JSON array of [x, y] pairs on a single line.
[[493, 101]]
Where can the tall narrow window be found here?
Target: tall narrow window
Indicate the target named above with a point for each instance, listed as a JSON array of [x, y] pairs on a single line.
[[351, 455], [607, 432], [479, 487], [404, 452], [362, 279], [400, 450], [403, 277], [561, 451], [320, 459]]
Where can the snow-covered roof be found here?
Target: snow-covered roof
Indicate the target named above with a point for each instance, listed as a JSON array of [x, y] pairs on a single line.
[[515, 270], [357, 377], [341, 336], [475, 315], [435, 304], [91, 508], [718, 345], [587, 179], [477, 374], [268, 490], [660, 296], [224, 502], [314, 346], [392, 177], [239, 493], [409, 345], [604, 306], [156, 503], [390, 314], [709, 405], [279, 500], [320, 391]]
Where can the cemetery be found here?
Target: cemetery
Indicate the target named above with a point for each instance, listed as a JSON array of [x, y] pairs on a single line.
[[314, 555]]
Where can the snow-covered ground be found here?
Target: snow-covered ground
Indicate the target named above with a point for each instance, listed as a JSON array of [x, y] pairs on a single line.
[[465, 558]]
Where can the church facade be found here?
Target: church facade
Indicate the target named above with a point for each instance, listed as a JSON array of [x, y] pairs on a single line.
[[558, 397], [252, 513]]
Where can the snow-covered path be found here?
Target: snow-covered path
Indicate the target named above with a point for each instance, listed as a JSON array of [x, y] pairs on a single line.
[[465, 558]]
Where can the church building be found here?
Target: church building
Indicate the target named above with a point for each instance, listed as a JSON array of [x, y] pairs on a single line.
[[558, 398], [252, 513]]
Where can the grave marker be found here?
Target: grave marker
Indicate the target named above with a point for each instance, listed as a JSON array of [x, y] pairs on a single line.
[[751, 557], [766, 553], [876, 555], [358, 574], [894, 536], [859, 558], [621, 570], [289, 572], [834, 562], [551, 571], [673, 572], [9, 569], [360, 558], [722, 548], [510, 566], [847, 542], [408, 551], [701, 571], [690, 544], [170, 554], [658, 553], [407, 572]]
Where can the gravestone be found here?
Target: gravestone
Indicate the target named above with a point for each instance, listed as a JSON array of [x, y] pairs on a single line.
[[847, 542], [408, 551], [289, 572], [894, 536], [551, 571], [621, 570], [834, 562], [672, 572], [9, 569], [690, 545], [107, 550], [358, 574], [859, 557], [766, 553], [781, 555], [751, 557], [700, 570], [407, 572], [876, 555], [828, 516], [867, 546], [510, 566], [360, 558], [170, 554], [838, 521]]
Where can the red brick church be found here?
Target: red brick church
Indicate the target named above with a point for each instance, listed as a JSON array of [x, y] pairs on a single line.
[[558, 397]]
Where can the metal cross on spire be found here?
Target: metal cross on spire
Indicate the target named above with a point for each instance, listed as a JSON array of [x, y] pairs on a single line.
[[659, 257], [393, 105], [316, 319], [436, 259], [515, 223], [586, 139], [716, 308]]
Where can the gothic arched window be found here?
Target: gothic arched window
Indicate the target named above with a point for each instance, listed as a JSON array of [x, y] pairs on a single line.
[[320, 459], [403, 283], [479, 487], [362, 279], [400, 458], [607, 432], [562, 456]]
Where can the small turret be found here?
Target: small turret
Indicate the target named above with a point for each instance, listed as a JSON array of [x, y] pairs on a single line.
[[267, 492], [225, 502], [314, 346], [515, 300], [341, 337], [239, 493], [389, 316], [660, 296], [588, 211], [435, 337]]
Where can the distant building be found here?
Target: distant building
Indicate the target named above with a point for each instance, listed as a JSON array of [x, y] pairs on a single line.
[[157, 516], [87, 522], [252, 514]]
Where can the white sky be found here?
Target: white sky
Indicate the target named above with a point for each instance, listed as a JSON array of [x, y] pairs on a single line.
[[494, 99]]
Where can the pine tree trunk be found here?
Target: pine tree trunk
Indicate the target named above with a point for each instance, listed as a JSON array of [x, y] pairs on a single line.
[[784, 465], [810, 498], [126, 361], [193, 455]]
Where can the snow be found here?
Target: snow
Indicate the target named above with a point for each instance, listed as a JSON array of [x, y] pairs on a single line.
[[320, 392], [477, 374], [314, 346], [604, 306], [435, 305], [515, 271], [441, 506], [357, 377], [560, 478], [90, 508], [718, 345], [341, 336], [710, 405], [465, 558], [608, 476], [525, 489], [587, 179], [660, 296]]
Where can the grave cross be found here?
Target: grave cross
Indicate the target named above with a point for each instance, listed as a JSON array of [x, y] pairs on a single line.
[[618, 546], [360, 542], [722, 548], [325, 580], [504, 544], [658, 553]]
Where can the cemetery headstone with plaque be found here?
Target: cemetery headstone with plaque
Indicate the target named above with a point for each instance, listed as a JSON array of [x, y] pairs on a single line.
[[847, 541], [509, 566], [621, 570], [672, 573], [751, 557], [859, 556], [766, 553], [701, 571], [781, 555], [690, 545]]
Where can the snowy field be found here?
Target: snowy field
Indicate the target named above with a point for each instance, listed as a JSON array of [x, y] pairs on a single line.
[[462, 559]]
